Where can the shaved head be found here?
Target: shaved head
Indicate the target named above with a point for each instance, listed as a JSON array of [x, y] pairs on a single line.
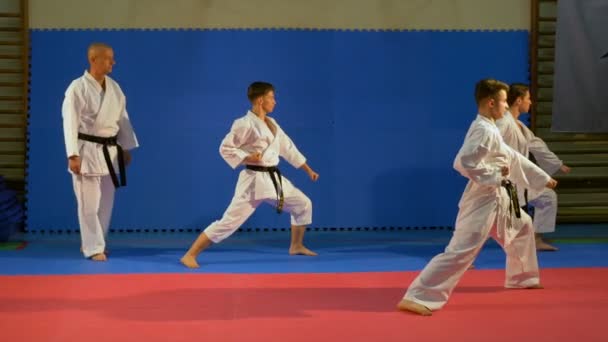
[[96, 48], [101, 59]]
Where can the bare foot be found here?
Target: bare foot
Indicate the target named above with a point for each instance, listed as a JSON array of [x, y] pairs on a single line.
[[408, 305], [107, 251], [189, 261], [535, 287], [542, 246], [301, 250], [99, 257]]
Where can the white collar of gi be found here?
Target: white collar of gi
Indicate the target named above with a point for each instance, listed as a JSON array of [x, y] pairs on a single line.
[[255, 116], [486, 119], [90, 77]]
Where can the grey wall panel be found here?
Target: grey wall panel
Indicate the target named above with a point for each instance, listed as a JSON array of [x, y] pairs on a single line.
[[336, 14]]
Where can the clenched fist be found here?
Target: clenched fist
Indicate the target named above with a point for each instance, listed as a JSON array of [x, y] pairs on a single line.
[[255, 157], [74, 164]]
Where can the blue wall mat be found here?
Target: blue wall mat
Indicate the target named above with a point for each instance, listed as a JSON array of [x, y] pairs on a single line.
[[380, 115]]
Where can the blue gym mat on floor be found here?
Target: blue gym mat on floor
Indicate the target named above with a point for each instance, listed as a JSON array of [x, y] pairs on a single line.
[[266, 252]]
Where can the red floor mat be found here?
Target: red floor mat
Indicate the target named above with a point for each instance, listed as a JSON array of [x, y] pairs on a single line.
[[297, 307]]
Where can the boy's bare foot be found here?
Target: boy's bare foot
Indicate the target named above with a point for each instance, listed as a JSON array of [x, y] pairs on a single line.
[[189, 261], [301, 250], [542, 246], [408, 305], [106, 252], [99, 257]]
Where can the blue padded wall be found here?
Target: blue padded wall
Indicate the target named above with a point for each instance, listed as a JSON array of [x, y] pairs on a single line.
[[380, 115]]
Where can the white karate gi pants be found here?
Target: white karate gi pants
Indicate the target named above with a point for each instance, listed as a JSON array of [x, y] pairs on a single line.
[[243, 206], [435, 283], [545, 211], [95, 198]]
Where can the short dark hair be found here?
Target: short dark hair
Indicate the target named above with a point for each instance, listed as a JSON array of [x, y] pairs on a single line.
[[488, 88], [516, 90], [257, 89]]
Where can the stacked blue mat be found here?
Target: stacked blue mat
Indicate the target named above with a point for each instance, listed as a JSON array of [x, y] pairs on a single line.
[[11, 212]]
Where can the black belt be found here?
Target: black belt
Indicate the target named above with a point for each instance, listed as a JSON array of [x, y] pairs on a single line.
[[526, 206], [109, 141], [278, 185], [513, 200]]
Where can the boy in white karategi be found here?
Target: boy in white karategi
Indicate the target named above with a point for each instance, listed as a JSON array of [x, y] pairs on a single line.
[[257, 141], [488, 207], [522, 139]]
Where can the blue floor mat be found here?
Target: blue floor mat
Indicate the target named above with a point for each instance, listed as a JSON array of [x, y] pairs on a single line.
[[266, 252]]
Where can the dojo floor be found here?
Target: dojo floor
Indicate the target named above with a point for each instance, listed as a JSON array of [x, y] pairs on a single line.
[[249, 289]]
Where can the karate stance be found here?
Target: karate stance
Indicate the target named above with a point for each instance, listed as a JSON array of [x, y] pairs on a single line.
[[488, 207], [256, 141], [521, 139], [98, 136]]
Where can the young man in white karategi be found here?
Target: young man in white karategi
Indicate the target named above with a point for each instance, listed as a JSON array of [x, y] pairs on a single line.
[[98, 136], [520, 138], [488, 207], [256, 141]]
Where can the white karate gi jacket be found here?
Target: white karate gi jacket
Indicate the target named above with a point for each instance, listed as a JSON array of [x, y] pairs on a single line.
[[250, 134], [88, 109], [523, 140], [484, 200]]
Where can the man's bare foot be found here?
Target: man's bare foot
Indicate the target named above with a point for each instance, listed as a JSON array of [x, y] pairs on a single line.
[[408, 305], [99, 257], [301, 250], [189, 261]]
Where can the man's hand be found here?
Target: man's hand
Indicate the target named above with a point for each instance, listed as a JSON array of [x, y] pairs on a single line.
[[565, 169], [74, 164], [255, 157], [551, 184], [504, 170]]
